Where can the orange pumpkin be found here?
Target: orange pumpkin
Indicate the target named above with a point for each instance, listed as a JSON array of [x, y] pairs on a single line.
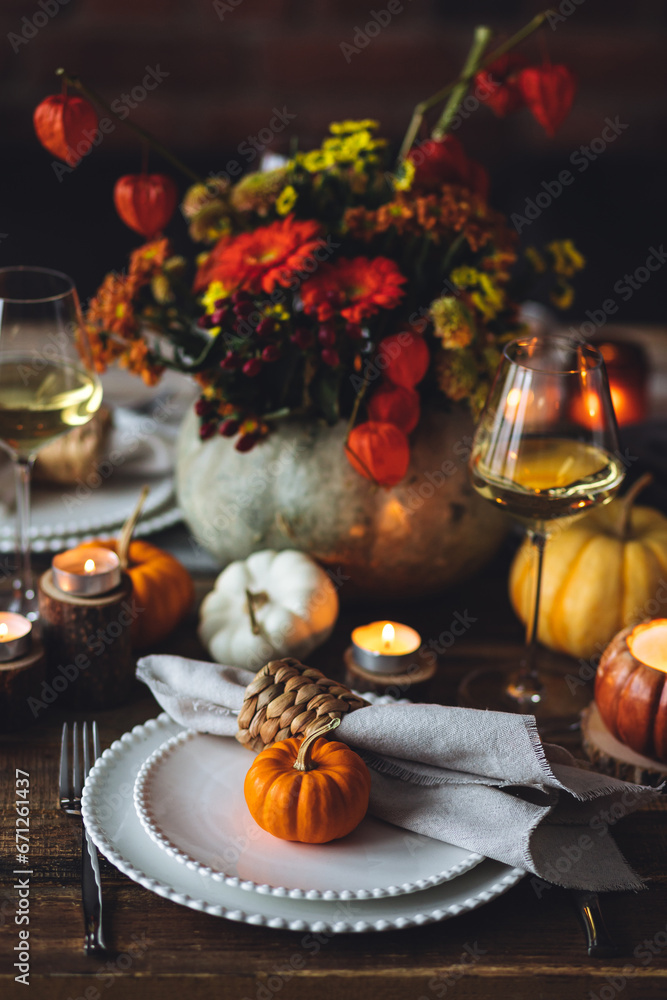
[[64, 125], [145, 202], [162, 587], [309, 790], [632, 698]]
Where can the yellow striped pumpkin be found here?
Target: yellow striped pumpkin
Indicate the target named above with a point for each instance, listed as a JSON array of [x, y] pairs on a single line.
[[604, 572]]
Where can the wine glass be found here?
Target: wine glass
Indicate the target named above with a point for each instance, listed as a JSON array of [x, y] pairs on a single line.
[[48, 385], [546, 450]]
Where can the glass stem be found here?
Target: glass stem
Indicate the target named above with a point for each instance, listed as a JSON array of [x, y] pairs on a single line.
[[24, 590], [528, 683]]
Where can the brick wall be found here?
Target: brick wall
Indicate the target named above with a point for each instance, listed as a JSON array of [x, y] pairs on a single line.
[[231, 62]]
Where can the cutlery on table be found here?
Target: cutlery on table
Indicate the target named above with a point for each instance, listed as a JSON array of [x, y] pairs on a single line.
[[70, 789], [587, 905]]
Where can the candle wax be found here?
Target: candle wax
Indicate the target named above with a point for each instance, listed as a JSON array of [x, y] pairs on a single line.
[[648, 644], [388, 638]]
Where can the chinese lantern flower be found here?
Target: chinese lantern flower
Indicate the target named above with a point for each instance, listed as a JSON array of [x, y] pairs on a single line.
[[66, 125], [444, 161], [145, 202], [379, 452], [498, 85], [394, 404], [404, 358], [549, 92]]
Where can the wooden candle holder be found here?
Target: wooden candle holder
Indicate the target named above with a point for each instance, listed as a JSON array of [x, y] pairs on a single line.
[[413, 683], [87, 642], [21, 680]]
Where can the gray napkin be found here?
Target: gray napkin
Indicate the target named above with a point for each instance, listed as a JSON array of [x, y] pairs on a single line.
[[481, 780]]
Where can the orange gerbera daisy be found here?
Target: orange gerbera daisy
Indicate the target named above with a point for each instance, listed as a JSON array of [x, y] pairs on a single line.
[[262, 259], [356, 288]]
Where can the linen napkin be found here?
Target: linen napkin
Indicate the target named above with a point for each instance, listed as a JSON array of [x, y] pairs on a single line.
[[480, 780]]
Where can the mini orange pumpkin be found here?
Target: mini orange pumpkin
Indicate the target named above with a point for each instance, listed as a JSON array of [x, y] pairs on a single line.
[[162, 587], [309, 790]]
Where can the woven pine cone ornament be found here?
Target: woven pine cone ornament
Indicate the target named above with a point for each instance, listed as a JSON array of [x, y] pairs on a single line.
[[287, 698]]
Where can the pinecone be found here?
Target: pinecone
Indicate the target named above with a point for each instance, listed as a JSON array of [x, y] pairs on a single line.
[[287, 698]]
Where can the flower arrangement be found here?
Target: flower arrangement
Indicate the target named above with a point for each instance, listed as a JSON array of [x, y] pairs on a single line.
[[338, 285]]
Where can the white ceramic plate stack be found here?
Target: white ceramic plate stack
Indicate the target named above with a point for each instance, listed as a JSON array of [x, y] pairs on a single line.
[[63, 517], [165, 805]]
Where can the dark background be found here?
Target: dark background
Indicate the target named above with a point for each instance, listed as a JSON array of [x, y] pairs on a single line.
[[229, 69]]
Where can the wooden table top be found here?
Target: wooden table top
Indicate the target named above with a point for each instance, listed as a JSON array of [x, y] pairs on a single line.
[[524, 944]]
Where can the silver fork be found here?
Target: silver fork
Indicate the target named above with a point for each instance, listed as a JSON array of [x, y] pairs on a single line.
[[70, 789]]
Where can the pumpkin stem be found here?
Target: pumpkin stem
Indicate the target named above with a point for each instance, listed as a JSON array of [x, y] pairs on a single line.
[[254, 599], [303, 761], [628, 501], [127, 530]]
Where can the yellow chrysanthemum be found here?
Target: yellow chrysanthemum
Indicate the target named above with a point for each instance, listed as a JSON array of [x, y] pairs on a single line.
[[563, 295], [404, 175], [216, 290], [453, 324], [349, 126], [286, 199], [317, 159], [567, 259], [487, 297]]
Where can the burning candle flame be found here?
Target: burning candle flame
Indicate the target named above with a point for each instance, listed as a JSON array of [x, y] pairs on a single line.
[[89, 566], [388, 634], [4, 629], [513, 399]]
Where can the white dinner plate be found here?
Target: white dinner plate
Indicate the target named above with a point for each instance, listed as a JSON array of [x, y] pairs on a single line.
[[115, 827], [189, 798], [64, 516]]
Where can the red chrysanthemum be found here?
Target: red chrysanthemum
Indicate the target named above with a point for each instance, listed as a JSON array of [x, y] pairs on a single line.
[[356, 288], [260, 260]]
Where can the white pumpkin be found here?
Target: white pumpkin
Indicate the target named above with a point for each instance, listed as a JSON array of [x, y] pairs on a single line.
[[270, 605]]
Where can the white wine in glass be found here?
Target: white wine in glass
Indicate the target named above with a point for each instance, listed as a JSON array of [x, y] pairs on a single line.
[[48, 385], [546, 450]]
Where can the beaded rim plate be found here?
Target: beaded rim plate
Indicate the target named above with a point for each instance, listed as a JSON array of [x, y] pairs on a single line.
[[115, 828], [189, 799]]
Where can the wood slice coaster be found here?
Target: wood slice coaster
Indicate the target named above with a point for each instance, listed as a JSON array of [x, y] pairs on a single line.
[[609, 756], [412, 684], [21, 681]]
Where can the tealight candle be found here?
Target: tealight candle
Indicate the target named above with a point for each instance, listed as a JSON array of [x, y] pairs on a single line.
[[385, 647], [86, 572], [15, 636], [648, 644]]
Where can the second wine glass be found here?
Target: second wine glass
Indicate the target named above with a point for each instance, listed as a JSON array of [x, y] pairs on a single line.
[[546, 450]]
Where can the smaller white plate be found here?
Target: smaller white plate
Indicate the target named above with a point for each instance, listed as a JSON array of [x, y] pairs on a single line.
[[189, 798]]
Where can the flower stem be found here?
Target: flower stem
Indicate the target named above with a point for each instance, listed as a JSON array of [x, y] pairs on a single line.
[[424, 106], [91, 95], [470, 68]]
